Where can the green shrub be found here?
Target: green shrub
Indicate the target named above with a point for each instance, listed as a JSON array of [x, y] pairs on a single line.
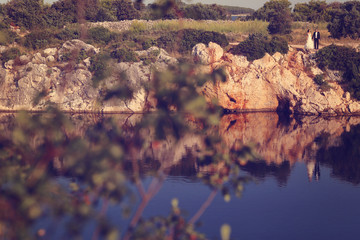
[[147, 43], [184, 40], [76, 56], [151, 57], [124, 55], [343, 59], [39, 39], [101, 35], [344, 21], [9, 54], [319, 80], [256, 45], [67, 34], [124, 10], [277, 44]]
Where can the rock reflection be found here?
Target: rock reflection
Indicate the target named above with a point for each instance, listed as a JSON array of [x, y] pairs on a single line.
[[317, 142], [279, 144]]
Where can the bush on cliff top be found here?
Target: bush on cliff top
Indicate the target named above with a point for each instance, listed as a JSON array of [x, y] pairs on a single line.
[[101, 35], [185, 39], [256, 45], [344, 59]]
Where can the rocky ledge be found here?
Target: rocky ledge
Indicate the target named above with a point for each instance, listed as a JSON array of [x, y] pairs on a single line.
[[67, 82], [278, 82]]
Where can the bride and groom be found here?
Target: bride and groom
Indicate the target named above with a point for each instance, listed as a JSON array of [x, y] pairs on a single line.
[[312, 41]]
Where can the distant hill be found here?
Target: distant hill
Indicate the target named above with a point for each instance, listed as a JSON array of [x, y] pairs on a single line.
[[238, 10]]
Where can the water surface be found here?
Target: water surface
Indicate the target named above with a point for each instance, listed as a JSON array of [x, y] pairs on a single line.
[[302, 184]]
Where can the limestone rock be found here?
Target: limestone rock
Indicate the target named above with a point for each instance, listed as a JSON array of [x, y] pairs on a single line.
[[2, 48], [354, 107], [207, 55], [347, 96], [50, 51], [278, 57], [132, 75], [70, 86], [9, 64], [24, 59], [76, 45], [50, 59], [38, 59], [163, 59], [273, 82]]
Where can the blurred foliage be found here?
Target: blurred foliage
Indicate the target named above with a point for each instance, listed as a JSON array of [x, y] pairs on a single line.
[[103, 160], [345, 60], [256, 45], [43, 146], [184, 40], [99, 66]]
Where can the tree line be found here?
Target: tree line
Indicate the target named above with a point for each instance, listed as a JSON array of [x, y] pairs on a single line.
[[343, 18], [32, 14]]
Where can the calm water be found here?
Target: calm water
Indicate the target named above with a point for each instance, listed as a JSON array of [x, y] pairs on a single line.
[[304, 183]]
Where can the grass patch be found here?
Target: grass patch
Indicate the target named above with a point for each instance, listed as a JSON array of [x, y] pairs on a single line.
[[138, 27], [239, 27]]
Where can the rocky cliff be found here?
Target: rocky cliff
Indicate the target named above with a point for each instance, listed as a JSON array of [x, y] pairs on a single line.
[[62, 76], [274, 82]]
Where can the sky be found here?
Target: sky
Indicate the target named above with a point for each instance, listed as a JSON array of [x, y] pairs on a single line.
[[254, 4]]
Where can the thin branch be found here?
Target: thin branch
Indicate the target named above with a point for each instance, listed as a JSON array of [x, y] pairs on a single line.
[[202, 209]]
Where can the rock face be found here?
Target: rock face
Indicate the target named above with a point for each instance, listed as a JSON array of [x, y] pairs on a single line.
[[62, 76], [67, 82], [273, 82]]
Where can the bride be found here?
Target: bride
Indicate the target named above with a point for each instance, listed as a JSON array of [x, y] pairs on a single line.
[[309, 41]]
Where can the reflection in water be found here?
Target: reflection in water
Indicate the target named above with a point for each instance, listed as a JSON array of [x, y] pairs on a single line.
[[344, 157], [316, 142]]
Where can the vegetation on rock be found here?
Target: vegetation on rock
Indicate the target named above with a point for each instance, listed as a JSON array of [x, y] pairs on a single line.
[[185, 40], [344, 59], [256, 45]]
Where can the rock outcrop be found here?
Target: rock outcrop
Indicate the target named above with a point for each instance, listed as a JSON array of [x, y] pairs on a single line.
[[273, 82], [63, 77]]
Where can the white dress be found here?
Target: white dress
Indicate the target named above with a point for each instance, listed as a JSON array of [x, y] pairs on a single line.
[[309, 42]]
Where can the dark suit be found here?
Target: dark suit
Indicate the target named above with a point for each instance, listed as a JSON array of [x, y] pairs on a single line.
[[316, 37]]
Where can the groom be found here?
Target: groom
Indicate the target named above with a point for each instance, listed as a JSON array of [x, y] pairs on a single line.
[[316, 37]]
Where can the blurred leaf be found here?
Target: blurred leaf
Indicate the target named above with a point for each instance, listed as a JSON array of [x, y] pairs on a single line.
[[225, 232]]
